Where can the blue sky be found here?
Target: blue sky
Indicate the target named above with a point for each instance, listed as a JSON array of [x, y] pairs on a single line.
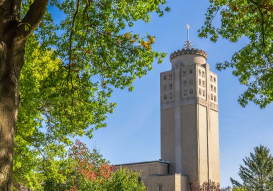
[[133, 130]]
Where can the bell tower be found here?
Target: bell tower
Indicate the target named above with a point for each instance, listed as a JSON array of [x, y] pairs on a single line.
[[189, 116]]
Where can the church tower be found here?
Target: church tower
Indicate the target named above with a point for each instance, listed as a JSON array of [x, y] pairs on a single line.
[[189, 116], [189, 125]]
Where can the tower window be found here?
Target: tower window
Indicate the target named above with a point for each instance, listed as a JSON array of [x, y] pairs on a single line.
[[199, 72], [199, 82], [214, 89], [191, 81], [214, 80], [185, 93], [200, 91], [203, 83], [211, 78], [165, 88], [203, 74], [184, 82], [211, 97], [160, 188], [191, 91], [171, 86], [170, 77], [165, 97], [211, 87], [190, 71], [215, 98], [164, 77], [170, 96], [184, 73], [204, 93]]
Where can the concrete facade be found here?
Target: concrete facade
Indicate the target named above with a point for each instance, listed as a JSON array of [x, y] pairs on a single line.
[[189, 126]]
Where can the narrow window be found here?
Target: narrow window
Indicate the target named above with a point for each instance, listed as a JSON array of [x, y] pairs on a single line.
[[203, 74], [199, 72], [165, 88], [215, 89], [211, 78], [184, 73], [165, 97], [171, 86], [190, 71], [184, 82], [211, 87], [200, 91], [164, 77], [204, 93], [199, 82], [214, 80], [170, 77], [191, 81], [170, 96], [211, 97], [185, 92], [191, 91], [203, 83], [160, 188], [215, 98]]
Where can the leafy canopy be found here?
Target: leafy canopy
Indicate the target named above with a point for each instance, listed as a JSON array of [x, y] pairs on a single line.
[[89, 171], [69, 74], [253, 64]]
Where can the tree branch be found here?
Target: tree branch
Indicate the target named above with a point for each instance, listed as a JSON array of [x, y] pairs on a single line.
[[33, 17]]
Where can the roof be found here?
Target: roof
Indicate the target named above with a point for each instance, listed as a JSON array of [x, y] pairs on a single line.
[[144, 162]]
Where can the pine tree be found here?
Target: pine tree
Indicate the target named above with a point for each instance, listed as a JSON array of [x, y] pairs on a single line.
[[257, 174]]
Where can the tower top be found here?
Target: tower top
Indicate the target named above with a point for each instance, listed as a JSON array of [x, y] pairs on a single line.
[[188, 43], [188, 55]]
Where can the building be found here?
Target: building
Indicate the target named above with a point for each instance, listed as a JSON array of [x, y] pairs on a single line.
[[189, 125]]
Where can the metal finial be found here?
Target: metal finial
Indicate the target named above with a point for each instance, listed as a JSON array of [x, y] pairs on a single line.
[[188, 43]]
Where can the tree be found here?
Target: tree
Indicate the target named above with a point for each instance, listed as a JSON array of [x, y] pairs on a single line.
[[257, 174], [70, 94], [89, 171], [253, 64]]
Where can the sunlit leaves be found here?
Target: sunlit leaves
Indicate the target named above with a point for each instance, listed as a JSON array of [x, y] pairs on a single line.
[[70, 72], [254, 63]]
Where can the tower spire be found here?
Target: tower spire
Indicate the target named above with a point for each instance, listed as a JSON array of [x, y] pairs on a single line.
[[188, 43]]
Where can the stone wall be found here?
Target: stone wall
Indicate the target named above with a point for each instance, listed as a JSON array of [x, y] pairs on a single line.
[[148, 168], [174, 182], [168, 138], [189, 142], [215, 146]]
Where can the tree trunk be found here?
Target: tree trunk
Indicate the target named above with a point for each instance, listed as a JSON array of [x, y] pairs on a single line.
[[11, 62], [12, 57]]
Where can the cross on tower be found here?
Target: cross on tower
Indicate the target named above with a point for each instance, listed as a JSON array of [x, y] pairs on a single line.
[[188, 43]]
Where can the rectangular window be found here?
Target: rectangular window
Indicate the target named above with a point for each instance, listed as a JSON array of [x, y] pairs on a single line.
[[184, 73], [160, 188], [170, 86]]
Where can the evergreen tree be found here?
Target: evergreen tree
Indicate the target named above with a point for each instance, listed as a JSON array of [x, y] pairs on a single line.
[[257, 174]]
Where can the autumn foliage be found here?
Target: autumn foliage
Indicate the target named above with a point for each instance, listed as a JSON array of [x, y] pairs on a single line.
[[86, 168]]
